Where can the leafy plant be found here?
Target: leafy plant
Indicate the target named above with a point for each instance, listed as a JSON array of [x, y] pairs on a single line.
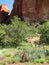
[[31, 55], [15, 32], [44, 31], [39, 61]]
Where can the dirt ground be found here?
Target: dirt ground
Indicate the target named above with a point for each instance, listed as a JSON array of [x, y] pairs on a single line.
[[28, 64]]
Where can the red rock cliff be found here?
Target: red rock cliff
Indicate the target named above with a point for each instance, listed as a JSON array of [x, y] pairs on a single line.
[[30, 10], [3, 12]]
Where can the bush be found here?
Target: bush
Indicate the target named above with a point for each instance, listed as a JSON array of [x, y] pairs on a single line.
[[7, 55], [44, 31], [15, 32], [13, 60], [39, 61], [31, 55]]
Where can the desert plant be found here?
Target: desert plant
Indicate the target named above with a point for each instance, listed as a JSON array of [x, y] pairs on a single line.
[[44, 31], [39, 61], [31, 55], [15, 32]]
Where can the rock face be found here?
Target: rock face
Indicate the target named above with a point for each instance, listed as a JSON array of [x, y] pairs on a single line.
[[3, 12], [29, 10]]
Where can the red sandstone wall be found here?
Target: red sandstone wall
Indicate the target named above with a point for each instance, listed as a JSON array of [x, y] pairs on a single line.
[[30, 10]]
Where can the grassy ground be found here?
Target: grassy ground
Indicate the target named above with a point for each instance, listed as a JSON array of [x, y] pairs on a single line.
[[7, 53]]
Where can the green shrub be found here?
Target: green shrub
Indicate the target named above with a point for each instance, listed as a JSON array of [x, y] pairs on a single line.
[[7, 55], [44, 31], [13, 60], [39, 61], [31, 55], [15, 32], [47, 59]]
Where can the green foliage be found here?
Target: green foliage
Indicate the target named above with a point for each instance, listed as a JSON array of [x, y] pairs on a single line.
[[13, 60], [39, 61], [36, 21], [7, 55], [31, 55], [44, 31], [47, 59], [15, 32], [35, 54]]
